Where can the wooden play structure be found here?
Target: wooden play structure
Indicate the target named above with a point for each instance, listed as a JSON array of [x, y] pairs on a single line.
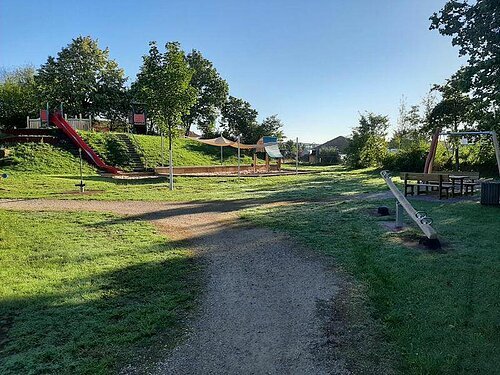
[[267, 145], [423, 221]]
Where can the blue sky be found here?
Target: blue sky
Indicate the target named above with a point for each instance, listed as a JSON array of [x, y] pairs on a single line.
[[315, 63]]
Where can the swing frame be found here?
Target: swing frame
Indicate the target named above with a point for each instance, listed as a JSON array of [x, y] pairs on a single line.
[[432, 153]]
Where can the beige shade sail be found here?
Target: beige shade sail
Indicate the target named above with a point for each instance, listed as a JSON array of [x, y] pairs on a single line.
[[223, 142]]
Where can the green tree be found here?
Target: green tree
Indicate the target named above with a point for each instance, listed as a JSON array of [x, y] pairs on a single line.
[[212, 91], [328, 155], [368, 146], [474, 28], [452, 113], [238, 117], [271, 126], [408, 134], [163, 84], [17, 97], [85, 79]]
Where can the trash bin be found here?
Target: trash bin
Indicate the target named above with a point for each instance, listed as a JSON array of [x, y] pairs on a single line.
[[490, 193]]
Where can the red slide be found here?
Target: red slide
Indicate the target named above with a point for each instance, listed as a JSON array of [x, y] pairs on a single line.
[[62, 124]]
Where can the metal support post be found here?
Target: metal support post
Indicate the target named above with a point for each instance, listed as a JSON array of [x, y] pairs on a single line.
[[399, 215]]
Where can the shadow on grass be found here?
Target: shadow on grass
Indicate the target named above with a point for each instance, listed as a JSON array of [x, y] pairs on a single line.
[[93, 325], [116, 181]]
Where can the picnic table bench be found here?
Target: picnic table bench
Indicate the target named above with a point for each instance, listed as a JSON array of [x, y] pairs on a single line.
[[468, 181], [461, 183], [425, 183]]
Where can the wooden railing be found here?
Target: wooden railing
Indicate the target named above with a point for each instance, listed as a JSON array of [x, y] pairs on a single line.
[[77, 123]]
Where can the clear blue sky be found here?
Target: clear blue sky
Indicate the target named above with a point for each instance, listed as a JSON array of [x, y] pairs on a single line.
[[314, 63]]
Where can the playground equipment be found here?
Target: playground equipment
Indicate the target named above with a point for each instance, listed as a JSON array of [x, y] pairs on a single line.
[[266, 144], [423, 221], [138, 118], [58, 120], [432, 152], [81, 185]]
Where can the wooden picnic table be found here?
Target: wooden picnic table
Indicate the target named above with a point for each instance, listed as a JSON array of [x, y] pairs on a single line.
[[455, 178]]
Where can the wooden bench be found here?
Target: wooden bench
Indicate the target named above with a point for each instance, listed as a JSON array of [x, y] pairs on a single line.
[[425, 183]]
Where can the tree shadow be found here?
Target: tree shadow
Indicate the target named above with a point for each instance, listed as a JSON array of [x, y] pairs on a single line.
[[116, 181], [94, 324]]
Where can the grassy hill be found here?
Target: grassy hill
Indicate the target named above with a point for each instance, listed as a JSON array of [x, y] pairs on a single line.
[[188, 152], [48, 159], [42, 158]]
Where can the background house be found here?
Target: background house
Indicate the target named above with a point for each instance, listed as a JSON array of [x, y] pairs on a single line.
[[340, 143]]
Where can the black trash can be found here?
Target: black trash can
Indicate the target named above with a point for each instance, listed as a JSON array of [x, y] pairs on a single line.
[[490, 193]]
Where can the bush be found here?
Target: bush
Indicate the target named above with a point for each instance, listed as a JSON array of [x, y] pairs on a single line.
[[406, 160], [329, 156]]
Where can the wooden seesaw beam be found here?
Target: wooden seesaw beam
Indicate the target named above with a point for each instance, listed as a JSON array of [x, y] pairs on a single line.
[[420, 218]]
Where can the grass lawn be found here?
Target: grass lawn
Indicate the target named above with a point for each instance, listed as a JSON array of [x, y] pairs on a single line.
[[79, 297], [440, 310], [333, 181]]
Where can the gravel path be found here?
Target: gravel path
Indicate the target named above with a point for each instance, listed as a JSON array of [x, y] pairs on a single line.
[[263, 310]]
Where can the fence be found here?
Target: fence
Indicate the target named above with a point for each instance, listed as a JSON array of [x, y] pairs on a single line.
[[77, 123]]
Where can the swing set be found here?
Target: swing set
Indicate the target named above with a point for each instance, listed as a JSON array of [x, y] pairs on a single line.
[[429, 162]]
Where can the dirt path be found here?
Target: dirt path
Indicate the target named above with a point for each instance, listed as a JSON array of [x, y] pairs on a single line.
[[263, 310]]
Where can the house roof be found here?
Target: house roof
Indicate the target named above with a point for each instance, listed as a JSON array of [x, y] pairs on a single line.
[[339, 142]]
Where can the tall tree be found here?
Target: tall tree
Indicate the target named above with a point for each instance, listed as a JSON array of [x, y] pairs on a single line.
[[368, 146], [17, 96], [452, 113], [271, 126], [163, 84], [211, 90], [474, 27], [238, 117], [408, 133], [85, 79]]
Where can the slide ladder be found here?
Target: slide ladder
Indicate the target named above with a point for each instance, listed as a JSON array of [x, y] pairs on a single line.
[[58, 120]]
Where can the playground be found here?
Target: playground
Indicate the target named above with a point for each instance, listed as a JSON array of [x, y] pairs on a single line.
[[199, 188], [391, 265]]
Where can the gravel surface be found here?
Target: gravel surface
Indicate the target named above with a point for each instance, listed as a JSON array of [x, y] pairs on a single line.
[[263, 308]]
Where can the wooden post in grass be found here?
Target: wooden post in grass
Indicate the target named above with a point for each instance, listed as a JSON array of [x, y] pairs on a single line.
[[297, 157], [497, 148]]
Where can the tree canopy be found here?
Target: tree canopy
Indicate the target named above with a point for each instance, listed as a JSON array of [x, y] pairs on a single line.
[[163, 84], [238, 117], [212, 91], [18, 97], [474, 28], [368, 146], [85, 79]]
